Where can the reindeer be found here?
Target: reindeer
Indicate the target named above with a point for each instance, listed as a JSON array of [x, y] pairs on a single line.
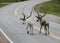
[[43, 23], [28, 22]]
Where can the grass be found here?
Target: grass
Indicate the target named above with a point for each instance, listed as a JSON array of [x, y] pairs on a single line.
[[50, 8], [8, 1], [2, 5]]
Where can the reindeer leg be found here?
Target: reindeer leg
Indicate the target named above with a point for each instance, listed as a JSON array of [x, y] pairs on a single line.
[[32, 30], [27, 29], [40, 29], [45, 30], [48, 28]]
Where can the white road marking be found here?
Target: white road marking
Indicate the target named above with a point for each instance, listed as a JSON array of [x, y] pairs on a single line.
[[6, 36]]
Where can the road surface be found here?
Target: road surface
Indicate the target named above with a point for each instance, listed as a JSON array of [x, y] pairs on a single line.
[[15, 30]]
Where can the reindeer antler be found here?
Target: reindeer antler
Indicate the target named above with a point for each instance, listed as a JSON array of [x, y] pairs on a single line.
[[38, 17], [23, 17], [43, 15], [38, 13], [29, 15]]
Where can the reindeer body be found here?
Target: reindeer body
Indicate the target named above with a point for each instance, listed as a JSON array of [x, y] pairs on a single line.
[[30, 27], [27, 21], [43, 23]]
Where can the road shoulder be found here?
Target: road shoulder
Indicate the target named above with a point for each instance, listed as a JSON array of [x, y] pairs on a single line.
[[3, 39]]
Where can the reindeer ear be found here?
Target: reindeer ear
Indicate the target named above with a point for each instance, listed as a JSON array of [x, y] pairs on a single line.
[[23, 14]]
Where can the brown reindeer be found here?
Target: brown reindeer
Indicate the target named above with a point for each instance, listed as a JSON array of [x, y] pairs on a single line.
[[43, 23], [28, 22]]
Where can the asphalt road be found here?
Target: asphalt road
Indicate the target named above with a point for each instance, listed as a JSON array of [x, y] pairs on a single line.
[[12, 26]]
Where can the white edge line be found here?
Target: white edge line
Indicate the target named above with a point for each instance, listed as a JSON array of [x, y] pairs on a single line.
[[6, 36]]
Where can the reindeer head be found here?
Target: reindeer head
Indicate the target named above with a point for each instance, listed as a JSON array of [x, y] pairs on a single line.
[[39, 17], [25, 18]]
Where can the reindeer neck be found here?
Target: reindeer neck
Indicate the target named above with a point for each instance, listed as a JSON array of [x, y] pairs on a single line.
[[40, 20]]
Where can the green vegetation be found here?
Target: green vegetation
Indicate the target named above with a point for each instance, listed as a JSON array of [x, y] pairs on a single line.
[[51, 7], [10, 1], [2, 5]]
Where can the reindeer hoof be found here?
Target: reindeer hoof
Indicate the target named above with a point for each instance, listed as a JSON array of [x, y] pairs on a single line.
[[28, 32]]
